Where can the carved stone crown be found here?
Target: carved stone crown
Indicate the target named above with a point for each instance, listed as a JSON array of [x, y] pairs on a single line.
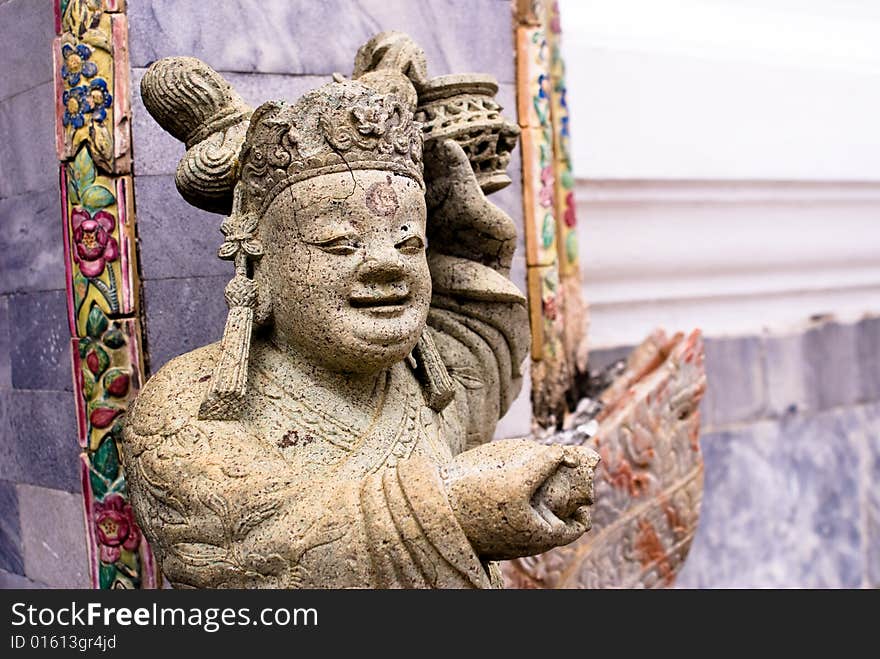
[[338, 127]]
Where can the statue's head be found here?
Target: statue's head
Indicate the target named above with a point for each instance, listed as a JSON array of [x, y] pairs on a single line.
[[325, 200], [335, 181]]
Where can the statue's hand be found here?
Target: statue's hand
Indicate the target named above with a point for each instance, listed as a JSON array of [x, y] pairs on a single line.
[[517, 498], [461, 221], [569, 491]]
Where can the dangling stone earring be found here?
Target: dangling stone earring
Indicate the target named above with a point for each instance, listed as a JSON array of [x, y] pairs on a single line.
[[229, 381]]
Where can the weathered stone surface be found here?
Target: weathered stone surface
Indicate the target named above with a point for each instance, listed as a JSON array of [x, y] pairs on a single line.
[[293, 35], [27, 44], [158, 152], [176, 239], [183, 314], [39, 439], [10, 531], [650, 480], [737, 387], [53, 537], [40, 338], [345, 439], [172, 248], [781, 505], [28, 162], [510, 200], [829, 351], [5, 345], [31, 251]]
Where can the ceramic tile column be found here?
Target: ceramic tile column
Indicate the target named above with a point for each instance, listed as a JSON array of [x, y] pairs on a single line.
[[556, 309], [575, 308], [97, 206]]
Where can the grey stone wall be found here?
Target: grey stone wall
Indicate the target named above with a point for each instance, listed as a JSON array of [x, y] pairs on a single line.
[[791, 444], [279, 49], [42, 534]]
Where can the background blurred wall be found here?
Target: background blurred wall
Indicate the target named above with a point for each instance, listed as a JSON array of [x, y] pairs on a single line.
[[728, 164]]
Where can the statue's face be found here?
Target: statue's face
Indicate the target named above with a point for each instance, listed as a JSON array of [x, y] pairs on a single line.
[[345, 264]]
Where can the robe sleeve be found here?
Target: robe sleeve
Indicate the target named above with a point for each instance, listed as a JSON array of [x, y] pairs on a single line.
[[479, 322]]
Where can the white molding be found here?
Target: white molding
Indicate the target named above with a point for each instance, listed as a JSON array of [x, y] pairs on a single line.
[[728, 257], [623, 325]]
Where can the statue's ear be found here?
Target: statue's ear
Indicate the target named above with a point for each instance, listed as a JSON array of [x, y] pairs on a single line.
[[197, 106]]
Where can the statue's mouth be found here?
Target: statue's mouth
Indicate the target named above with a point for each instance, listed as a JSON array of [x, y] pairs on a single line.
[[381, 305]]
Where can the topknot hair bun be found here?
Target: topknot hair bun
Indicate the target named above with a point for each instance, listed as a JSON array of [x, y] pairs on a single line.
[[196, 105], [392, 63]]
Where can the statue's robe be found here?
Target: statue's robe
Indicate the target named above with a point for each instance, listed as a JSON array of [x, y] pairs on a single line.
[[324, 504]]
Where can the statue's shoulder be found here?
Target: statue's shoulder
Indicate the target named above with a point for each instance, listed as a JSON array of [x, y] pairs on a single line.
[[171, 397]]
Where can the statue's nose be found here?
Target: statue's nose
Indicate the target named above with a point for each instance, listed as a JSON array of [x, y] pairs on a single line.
[[381, 265]]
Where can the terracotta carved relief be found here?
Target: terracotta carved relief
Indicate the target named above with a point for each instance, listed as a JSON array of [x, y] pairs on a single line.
[[338, 435], [650, 481]]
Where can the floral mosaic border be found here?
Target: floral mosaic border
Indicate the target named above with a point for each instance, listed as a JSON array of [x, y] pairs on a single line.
[[92, 141], [92, 82], [556, 309], [563, 174]]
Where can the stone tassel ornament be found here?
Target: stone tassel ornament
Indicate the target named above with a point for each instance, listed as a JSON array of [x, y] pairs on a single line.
[[229, 380], [197, 106]]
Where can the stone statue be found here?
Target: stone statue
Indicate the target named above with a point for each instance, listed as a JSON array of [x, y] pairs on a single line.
[[339, 434]]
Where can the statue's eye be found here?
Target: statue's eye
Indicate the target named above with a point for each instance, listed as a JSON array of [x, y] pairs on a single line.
[[411, 245], [343, 245]]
